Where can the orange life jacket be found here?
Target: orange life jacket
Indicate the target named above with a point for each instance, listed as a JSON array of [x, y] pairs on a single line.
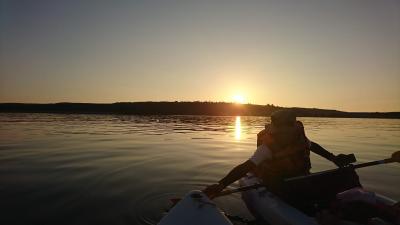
[[292, 160]]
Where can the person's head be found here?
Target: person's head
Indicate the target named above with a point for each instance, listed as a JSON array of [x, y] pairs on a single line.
[[283, 126]]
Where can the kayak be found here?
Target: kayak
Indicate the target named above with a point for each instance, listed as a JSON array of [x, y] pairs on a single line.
[[268, 207], [195, 209]]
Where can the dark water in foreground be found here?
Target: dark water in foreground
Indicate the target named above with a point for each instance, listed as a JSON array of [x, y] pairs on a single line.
[[105, 169]]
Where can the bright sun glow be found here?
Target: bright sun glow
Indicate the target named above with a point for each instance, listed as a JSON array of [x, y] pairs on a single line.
[[238, 128], [238, 99]]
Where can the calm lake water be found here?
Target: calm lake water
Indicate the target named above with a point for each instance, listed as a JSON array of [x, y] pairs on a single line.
[[114, 169]]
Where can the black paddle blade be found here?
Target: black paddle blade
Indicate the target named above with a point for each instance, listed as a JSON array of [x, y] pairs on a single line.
[[396, 156], [351, 158]]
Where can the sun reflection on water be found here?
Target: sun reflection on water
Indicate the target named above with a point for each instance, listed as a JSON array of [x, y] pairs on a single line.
[[238, 128]]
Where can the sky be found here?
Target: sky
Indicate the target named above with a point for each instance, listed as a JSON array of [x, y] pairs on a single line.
[[342, 54]]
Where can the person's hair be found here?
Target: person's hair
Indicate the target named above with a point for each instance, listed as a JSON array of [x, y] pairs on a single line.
[[285, 117]]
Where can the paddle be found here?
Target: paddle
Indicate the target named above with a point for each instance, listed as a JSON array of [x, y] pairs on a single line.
[[394, 158]]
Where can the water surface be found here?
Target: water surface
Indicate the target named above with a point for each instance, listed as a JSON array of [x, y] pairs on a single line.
[[117, 169]]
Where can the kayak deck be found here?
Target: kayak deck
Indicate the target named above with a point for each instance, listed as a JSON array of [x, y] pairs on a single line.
[[195, 209]]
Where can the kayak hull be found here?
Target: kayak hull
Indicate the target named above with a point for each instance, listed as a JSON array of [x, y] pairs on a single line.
[[268, 207]]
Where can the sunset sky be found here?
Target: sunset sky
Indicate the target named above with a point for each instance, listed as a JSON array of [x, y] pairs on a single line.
[[341, 54]]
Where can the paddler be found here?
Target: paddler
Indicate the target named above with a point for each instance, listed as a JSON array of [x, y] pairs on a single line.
[[283, 151]]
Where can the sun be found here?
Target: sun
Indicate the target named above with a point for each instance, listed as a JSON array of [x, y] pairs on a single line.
[[238, 99]]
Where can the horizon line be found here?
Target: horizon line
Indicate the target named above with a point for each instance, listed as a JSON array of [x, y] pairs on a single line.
[[199, 101]]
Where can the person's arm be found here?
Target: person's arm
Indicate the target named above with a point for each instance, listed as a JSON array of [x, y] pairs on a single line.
[[237, 173], [262, 152], [339, 160], [234, 175], [318, 149]]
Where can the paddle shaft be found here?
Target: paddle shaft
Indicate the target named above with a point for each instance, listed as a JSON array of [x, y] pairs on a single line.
[[373, 163], [245, 188], [361, 165]]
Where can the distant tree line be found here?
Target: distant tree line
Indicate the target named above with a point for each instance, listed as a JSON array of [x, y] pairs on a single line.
[[183, 108]]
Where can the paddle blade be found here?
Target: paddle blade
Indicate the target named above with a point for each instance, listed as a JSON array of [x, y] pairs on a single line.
[[396, 156]]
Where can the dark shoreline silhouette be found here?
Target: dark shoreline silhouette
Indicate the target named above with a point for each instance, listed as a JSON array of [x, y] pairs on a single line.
[[183, 108]]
